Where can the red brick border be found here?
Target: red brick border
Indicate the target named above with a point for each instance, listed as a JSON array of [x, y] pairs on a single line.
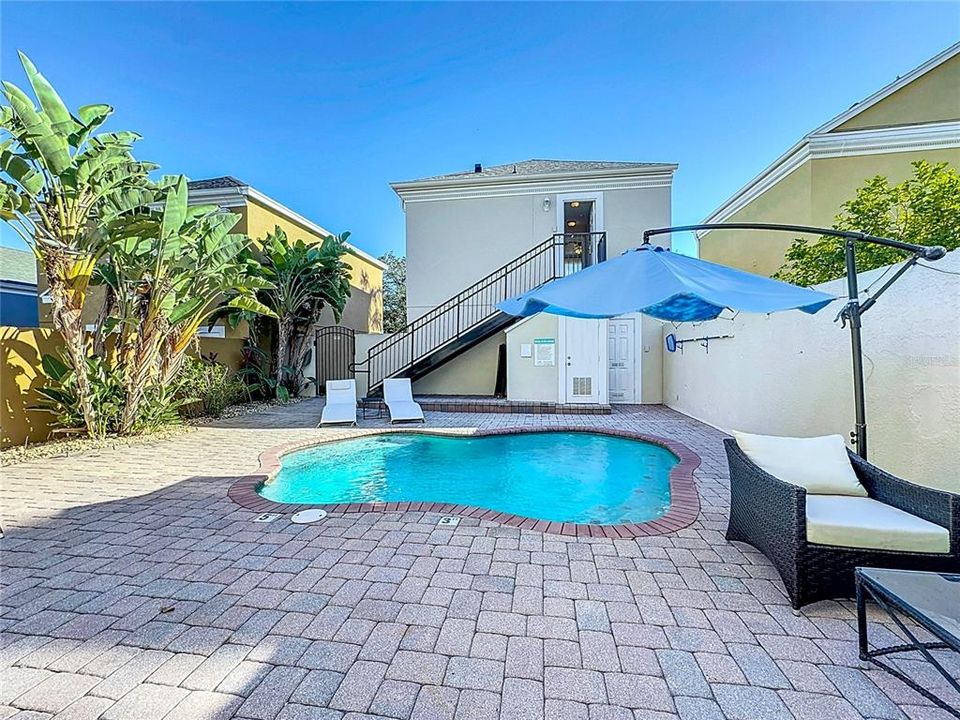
[[683, 510]]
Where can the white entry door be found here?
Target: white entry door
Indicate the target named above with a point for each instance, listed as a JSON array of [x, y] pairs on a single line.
[[582, 360], [621, 360]]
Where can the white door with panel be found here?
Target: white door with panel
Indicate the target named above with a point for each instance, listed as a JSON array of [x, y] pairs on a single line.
[[583, 361], [621, 360]]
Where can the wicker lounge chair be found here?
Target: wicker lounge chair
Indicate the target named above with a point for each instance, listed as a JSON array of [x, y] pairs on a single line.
[[772, 515]]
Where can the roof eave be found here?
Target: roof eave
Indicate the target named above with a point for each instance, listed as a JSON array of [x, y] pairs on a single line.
[[480, 180], [797, 150], [227, 194]]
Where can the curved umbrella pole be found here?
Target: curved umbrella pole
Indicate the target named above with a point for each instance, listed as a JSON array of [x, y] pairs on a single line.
[[854, 309]]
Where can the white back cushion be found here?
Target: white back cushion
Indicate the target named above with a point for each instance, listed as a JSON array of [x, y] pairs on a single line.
[[819, 464], [341, 392]]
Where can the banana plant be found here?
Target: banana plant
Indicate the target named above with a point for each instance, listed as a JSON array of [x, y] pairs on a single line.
[[171, 269], [61, 184]]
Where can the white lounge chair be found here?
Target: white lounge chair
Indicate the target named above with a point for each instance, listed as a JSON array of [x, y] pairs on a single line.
[[341, 406], [398, 395]]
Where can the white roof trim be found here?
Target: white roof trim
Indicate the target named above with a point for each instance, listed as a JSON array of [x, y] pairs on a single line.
[[896, 140], [515, 181], [237, 197], [534, 185], [885, 92], [885, 140]]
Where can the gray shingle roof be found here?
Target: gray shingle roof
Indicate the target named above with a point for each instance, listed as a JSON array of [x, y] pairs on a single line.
[[18, 265], [226, 181], [541, 167]]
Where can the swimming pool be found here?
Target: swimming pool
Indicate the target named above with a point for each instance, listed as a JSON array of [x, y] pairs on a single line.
[[573, 477]]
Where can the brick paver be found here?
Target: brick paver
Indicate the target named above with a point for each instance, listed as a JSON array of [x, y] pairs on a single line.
[[133, 587]]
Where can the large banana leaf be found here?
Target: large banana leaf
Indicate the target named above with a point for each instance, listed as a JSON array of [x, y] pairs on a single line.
[[39, 134], [60, 119]]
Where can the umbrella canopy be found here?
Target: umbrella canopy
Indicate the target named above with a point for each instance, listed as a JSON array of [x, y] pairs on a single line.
[[664, 285]]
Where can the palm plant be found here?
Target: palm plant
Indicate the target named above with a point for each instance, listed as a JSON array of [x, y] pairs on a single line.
[[305, 279], [170, 271], [61, 184]]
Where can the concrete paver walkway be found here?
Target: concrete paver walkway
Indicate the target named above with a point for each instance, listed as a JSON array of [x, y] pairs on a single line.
[[133, 588]]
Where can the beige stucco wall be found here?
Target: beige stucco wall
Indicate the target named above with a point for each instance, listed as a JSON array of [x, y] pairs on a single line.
[[363, 343], [627, 213], [789, 374], [651, 359], [454, 243], [526, 381], [812, 194], [451, 244], [756, 252], [473, 373], [933, 97]]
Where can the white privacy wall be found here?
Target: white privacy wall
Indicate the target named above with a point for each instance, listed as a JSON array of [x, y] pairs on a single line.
[[790, 374]]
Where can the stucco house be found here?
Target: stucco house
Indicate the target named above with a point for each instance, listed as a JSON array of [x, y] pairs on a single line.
[[259, 215], [475, 238], [915, 117]]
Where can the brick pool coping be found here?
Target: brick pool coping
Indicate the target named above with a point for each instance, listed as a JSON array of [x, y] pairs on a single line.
[[683, 510]]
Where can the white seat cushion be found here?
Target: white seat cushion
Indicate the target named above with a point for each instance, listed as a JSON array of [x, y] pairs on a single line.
[[819, 464], [858, 522]]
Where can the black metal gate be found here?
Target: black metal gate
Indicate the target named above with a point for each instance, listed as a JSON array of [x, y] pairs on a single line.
[[336, 349]]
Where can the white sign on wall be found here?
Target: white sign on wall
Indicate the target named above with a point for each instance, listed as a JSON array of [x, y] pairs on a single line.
[[544, 352]]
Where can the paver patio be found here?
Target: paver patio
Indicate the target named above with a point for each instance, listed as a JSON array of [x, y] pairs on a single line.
[[134, 588]]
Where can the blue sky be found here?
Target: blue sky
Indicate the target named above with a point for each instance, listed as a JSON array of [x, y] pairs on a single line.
[[322, 105]]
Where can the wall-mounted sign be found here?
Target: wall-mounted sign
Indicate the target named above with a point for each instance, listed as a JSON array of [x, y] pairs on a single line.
[[544, 352], [526, 350]]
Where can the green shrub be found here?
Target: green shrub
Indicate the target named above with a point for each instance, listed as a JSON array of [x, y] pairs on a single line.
[[62, 399], [159, 407], [207, 388]]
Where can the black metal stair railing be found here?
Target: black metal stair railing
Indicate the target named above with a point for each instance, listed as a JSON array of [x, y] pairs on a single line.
[[464, 313]]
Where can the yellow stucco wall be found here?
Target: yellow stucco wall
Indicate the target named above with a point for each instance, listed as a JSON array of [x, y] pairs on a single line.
[[366, 313], [20, 377], [932, 97], [812, 194], [762, 253]]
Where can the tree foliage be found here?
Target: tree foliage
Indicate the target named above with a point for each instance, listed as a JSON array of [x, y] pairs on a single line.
[[303, 279], [92, 215], [394, 292], [924, 209], [61, 183]]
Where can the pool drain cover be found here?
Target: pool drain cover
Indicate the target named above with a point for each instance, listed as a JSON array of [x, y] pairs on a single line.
[[308, 516]]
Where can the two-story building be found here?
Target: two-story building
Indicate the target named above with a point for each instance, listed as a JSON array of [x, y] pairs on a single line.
[[476, 237]]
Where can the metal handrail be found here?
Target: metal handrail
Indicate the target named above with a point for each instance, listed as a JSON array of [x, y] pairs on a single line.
[[432, 331]]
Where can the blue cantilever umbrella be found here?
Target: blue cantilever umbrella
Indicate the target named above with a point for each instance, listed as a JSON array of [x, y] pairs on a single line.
[[664, 285]]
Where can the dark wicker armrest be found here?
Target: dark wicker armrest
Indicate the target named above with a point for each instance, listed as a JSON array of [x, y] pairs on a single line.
[[778, 508], [936, 506]]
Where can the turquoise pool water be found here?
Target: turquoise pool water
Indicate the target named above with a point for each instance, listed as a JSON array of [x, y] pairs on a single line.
[[557, 476]]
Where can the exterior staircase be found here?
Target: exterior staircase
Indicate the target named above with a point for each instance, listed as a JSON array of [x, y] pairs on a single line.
[[471, 316]]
